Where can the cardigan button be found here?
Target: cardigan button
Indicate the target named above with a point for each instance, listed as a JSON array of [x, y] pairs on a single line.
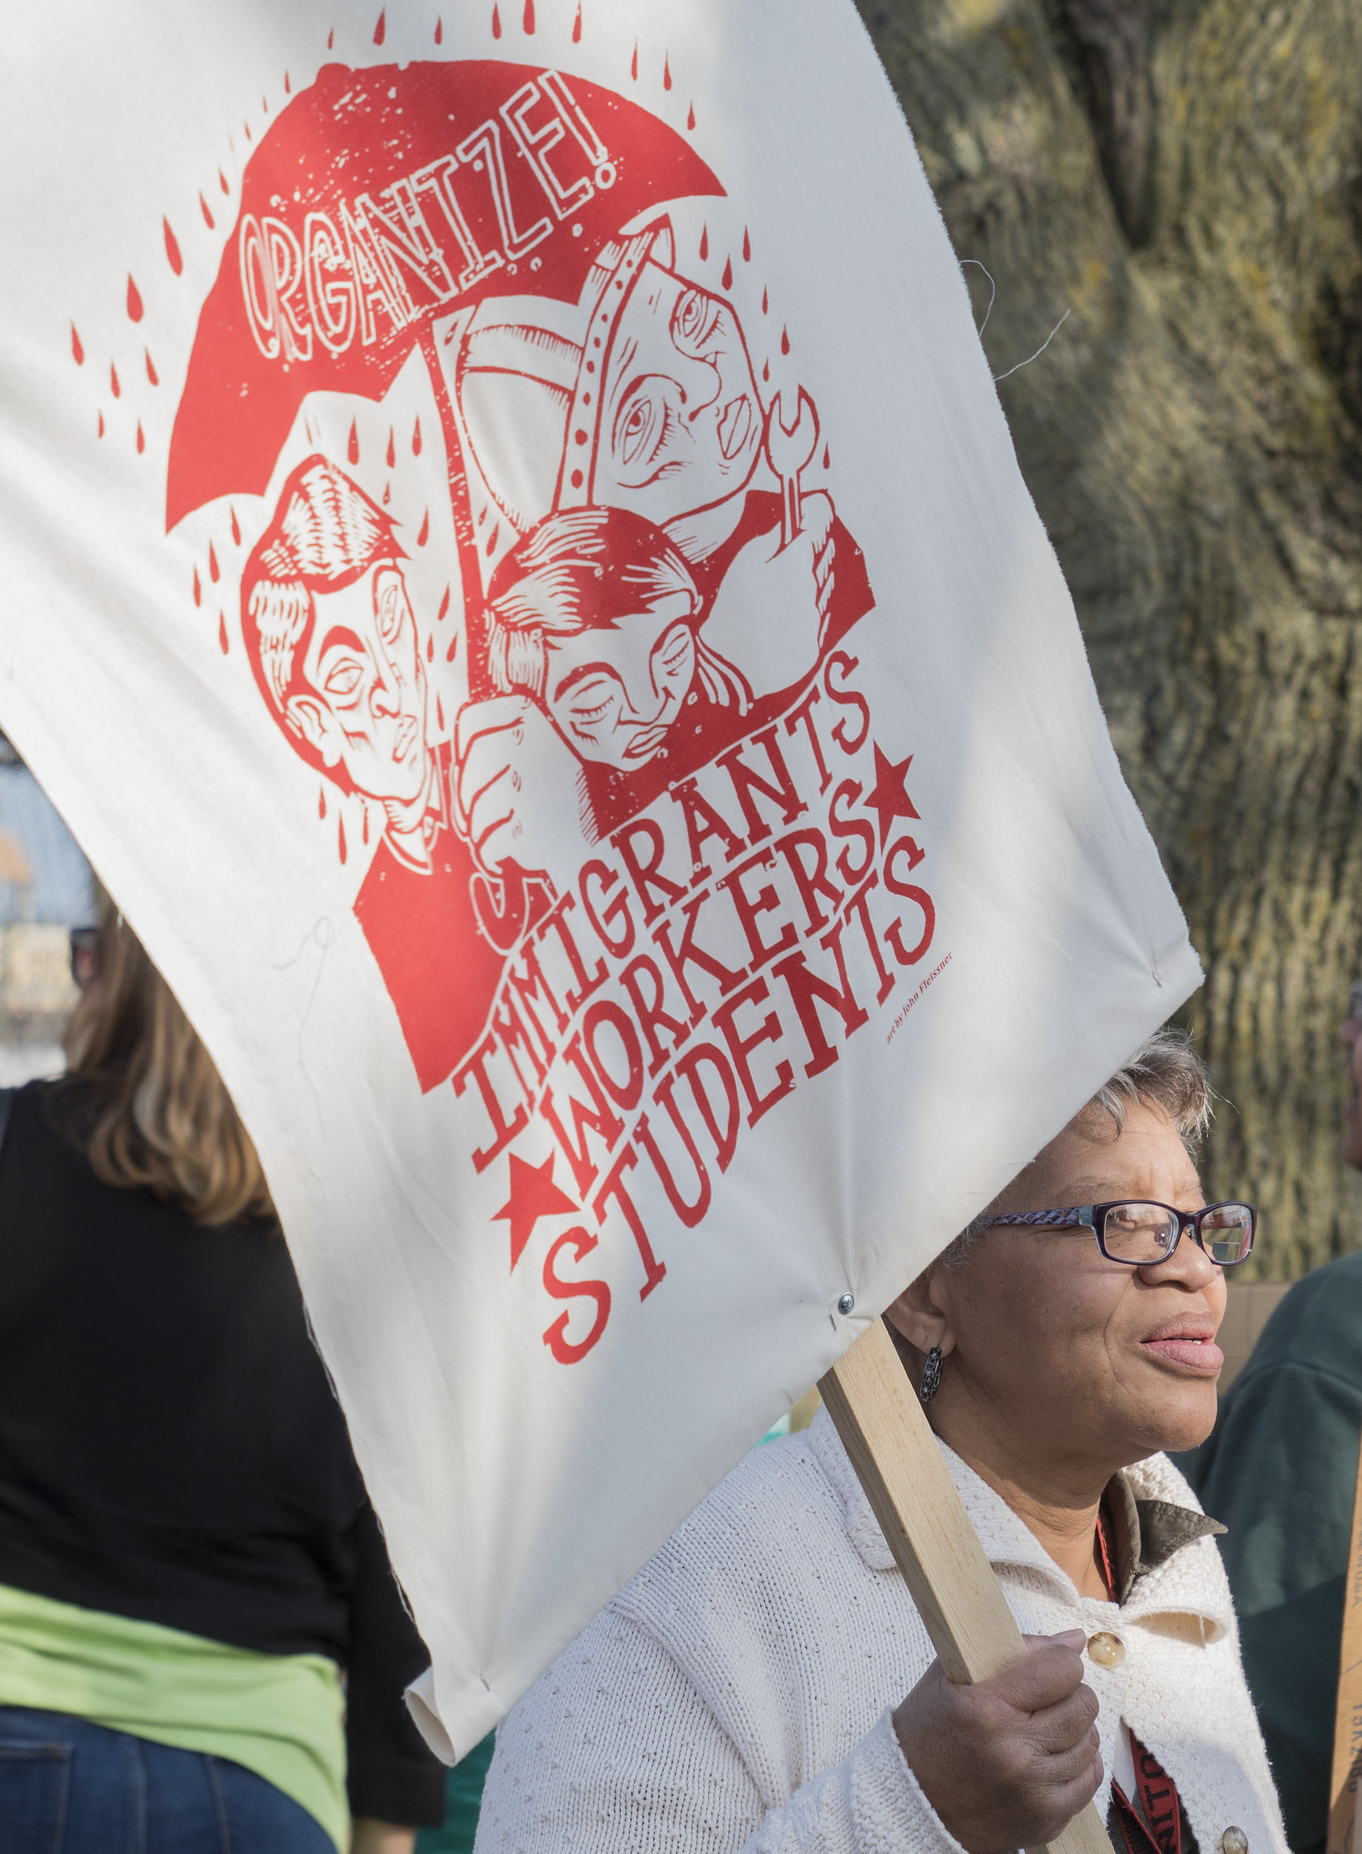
[[1109, 1651], [1234, 1841]]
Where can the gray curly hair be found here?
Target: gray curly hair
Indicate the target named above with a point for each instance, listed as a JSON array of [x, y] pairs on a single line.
[[1166, 1071]]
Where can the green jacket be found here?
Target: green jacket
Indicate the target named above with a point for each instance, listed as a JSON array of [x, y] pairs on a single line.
[[1280, 1471]]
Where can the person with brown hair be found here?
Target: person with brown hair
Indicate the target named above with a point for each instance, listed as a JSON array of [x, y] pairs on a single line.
[[202, 1645]]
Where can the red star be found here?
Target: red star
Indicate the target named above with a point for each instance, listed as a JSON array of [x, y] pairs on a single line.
[[889, 795], [533, 1195]]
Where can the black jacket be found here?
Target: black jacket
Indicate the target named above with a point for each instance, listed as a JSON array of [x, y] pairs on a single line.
[[170, 1447]]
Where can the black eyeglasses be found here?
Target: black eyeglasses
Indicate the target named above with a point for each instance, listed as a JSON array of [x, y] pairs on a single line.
[[1141, 1233]]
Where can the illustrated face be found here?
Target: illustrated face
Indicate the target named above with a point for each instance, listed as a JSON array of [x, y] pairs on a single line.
[[681, 424], [614, 694], [363, 662]]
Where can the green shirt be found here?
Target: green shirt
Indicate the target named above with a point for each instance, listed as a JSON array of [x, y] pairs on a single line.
[[280, 1715], [1280, 1470], [463, 1801]]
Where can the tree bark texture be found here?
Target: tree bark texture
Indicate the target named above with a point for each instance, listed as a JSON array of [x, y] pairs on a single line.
[[1181, 182]]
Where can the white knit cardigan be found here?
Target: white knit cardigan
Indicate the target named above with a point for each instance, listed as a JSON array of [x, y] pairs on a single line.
[[737, 1694]]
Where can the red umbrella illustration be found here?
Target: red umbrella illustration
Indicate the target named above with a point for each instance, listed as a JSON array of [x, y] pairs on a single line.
[[380, 200], [381, 205]]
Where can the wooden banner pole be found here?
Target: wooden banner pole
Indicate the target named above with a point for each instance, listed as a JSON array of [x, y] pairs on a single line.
[[1347, 1768], [885, 1431]]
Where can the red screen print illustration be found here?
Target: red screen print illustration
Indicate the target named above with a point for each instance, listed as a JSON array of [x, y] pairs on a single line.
[[334, 645], [640, 577], [644, 402]]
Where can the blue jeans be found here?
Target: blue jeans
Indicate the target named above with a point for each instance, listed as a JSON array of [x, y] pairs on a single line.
[[69, 1787]]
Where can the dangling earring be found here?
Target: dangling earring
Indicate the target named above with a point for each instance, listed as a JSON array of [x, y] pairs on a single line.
[[931, 1375]]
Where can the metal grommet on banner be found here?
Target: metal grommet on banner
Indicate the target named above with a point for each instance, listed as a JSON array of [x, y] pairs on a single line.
[[845, 1303], [1234, 1841]]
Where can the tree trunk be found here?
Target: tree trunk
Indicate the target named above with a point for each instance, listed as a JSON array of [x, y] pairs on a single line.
[[1181, 184]]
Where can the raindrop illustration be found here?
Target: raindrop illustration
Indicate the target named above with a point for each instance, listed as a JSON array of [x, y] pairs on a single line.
[[453, 650], [365, 832], [223, 645], [321, 802], [667, 72], [114, 387], [340, 837], [492, 540], [264, 107], [101, 425], [704, 243], [440, 713], [482, 517], [247, 127], [387, 494], [392, 454], [236, 528], [766, 302], [198, 588], [352, 448], [152, 374], [443, 612], [207, 214], [222, 182], [424, 535], [416, 439], [173, 257], [577, 26], [728, 273], [633, 62], [430, 648], [380, 33], [496, 22], [77, 351], [827, 458], [765, 371], [690, 118], [785, 341], [331, 39], [288, 87], [746, 246], [212, 563], [527, 21], [134, 302], [439, 31]]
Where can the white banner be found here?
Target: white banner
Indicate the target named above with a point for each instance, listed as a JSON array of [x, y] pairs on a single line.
[[512, 565]]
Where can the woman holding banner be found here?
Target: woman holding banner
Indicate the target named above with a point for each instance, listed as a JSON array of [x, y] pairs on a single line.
[[766, 1681]]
